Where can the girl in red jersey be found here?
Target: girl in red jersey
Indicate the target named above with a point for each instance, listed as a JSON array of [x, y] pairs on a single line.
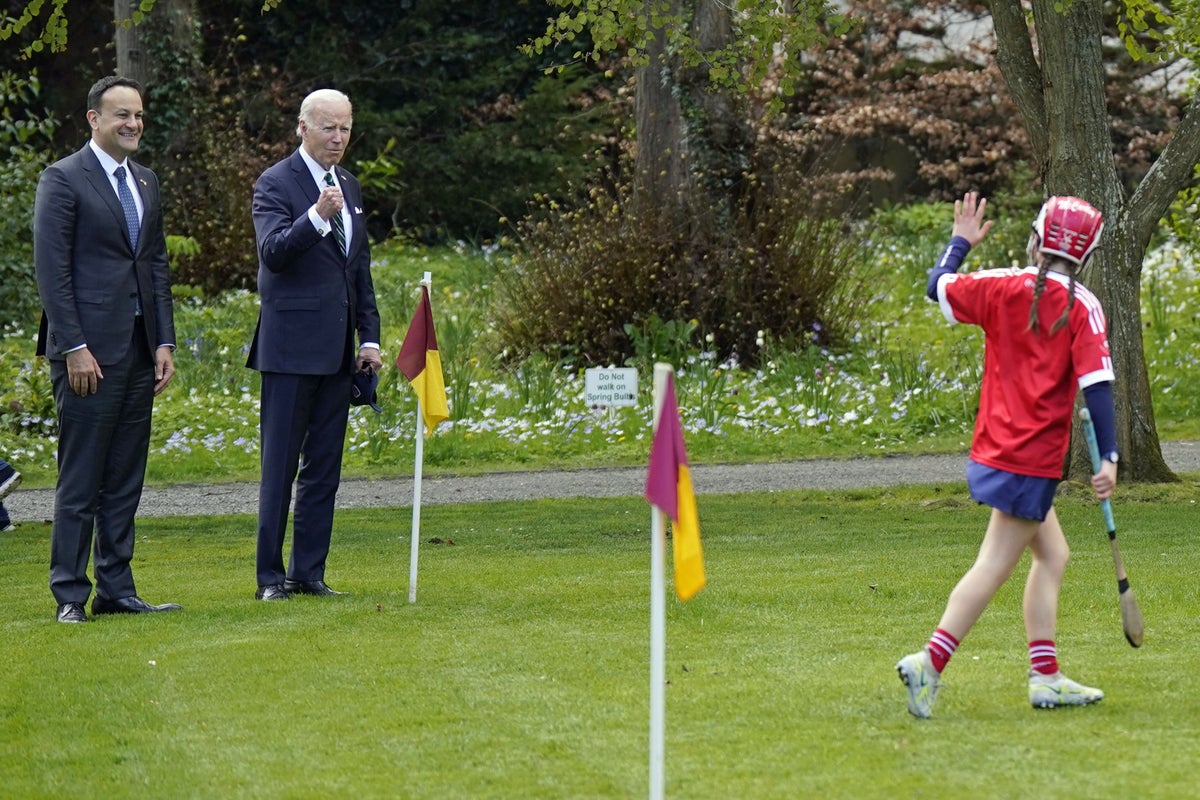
[[1044, 340]]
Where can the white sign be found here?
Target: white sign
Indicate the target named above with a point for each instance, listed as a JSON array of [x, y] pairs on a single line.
[[607, 387]]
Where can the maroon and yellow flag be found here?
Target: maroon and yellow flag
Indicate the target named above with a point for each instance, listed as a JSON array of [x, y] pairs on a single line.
[[421, 363], [669, 487]]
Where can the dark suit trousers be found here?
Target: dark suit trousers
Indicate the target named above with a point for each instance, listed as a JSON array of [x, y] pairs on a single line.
[[103, 440], [303, 430]]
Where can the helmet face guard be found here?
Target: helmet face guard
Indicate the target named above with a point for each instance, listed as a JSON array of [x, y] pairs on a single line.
[[1069, 228]]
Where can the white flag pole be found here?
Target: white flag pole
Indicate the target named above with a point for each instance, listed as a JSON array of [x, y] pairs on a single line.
[[416, 510], [658, 616], [418, 463]]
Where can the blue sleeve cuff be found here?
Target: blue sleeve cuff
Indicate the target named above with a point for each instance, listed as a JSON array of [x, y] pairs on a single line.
[[948, 264], [1099, 400]]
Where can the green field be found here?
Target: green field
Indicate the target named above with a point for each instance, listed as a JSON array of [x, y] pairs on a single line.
[[521, 671]]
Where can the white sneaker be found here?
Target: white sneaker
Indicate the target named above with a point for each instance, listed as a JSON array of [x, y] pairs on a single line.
[[1052, 691], [917, 673]]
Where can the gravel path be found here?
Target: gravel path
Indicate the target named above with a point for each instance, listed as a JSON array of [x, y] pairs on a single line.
[[440, 489]]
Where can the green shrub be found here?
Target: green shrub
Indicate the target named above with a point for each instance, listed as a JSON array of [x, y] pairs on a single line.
[[24, 144], [589, 283], [207, 162]]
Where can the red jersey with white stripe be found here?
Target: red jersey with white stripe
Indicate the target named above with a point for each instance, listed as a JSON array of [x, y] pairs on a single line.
[[1027, 399]]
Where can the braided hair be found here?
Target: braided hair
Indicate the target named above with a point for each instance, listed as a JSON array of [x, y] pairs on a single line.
[[1044, 261]]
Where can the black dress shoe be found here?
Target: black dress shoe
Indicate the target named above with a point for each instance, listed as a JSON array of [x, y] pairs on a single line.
[[128, 605], [72, 612], [310, 587], [272, 592]]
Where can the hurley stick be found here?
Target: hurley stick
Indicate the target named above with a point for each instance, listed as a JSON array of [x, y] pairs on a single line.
[[1131, 615]]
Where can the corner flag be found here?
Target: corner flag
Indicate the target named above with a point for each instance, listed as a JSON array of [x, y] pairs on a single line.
[[669, 487], [421, 363]]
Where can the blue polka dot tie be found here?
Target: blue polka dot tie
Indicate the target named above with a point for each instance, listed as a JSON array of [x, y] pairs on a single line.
[[130, 207], [339, 227]]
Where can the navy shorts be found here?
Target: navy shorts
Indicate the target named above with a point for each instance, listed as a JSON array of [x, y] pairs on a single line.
[[1019, 495]]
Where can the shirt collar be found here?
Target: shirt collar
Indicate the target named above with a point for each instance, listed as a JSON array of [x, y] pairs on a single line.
[[318, 172], [107, 162]]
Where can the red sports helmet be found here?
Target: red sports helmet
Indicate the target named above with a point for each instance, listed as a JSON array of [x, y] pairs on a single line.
[[1069, 228]]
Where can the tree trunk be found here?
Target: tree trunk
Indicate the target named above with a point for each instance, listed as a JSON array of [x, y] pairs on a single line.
[[131, 55], [173, 19], [720, 140], [660, 171], [1062, 104]]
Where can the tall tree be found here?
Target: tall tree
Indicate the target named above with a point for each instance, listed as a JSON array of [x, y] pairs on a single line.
[[697, 62], [1055, 71]]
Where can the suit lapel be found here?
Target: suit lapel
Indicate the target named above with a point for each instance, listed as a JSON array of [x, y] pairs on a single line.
[[103, 186], [304, 178]]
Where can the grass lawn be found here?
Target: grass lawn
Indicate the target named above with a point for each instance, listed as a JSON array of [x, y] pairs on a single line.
[[521, 671]]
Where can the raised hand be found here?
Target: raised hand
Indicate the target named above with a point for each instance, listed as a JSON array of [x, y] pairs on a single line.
[[968, 218]]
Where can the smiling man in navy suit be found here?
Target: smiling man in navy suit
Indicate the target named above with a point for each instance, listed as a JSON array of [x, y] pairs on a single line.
[[108, 330], [316, 294]]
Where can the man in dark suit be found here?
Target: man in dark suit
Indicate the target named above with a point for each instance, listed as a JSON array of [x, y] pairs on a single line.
[[108, 330], [316, 294]]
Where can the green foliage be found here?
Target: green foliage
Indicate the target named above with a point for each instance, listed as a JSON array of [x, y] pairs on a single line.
[[138, 14], [1181, 219], [540, 383], [206, 163], [454, 131], [53, 36], [381, 175], [582, 274], [459, 332], [589, 279], [181, 247], [628, 27], [1170, 289], [655, 340], [453, 128], [27, 413], [24, 135], [1142, 26], [485, 164], [930, 224]]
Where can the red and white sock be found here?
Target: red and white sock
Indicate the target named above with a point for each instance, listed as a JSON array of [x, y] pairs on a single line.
[[1043, 656], [941, 646]]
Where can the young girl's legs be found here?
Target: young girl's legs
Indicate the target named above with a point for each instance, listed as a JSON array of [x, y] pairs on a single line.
[[1005, 541]]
